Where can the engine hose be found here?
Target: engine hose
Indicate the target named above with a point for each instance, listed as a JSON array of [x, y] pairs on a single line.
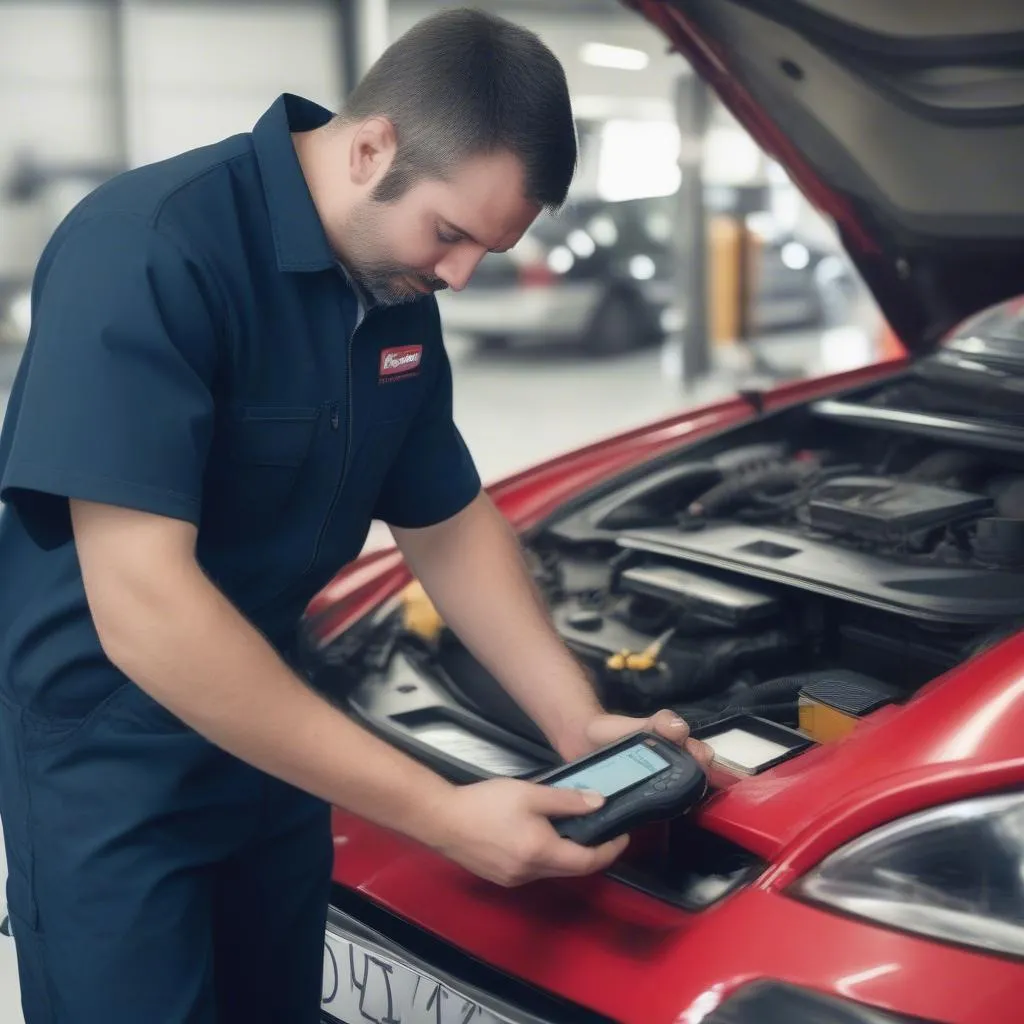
[[684, 481], [696, 671], [723, 658], [944, 465], [775, 478], [788, 685]]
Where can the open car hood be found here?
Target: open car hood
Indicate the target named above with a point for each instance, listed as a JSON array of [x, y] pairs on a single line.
[[903, 120]]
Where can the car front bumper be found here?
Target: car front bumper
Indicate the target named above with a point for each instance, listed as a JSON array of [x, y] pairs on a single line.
[[369, 976], [613, 953]]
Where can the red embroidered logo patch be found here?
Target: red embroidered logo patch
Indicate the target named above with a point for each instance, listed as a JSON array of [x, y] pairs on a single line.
[[401, 361]]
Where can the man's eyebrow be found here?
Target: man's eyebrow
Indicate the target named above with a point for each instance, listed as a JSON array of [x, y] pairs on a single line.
[[465, 234]]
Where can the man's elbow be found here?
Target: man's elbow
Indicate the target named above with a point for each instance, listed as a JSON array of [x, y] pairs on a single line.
[[131, 615], [137, 570]]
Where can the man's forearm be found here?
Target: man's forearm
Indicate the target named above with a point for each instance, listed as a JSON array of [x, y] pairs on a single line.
[[473, 569], [188, 647]]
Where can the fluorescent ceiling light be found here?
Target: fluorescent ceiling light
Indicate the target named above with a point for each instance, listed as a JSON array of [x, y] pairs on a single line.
[[603, 55], [620, 177]]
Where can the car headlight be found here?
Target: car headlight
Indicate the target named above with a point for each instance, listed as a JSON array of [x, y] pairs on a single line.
[[954, 872]]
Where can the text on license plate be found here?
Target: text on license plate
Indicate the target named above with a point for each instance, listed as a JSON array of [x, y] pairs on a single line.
[[363, 986]]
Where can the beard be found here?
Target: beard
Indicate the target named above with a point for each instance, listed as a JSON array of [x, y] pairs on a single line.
[[387, 282]]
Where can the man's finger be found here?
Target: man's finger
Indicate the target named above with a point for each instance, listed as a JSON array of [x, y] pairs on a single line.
[[701, 752], [558, 801], [670, 726], [573, 859]]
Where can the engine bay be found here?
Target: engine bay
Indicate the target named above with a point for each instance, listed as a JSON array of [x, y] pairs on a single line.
[[804, 569], [729, 577], [730, 581]]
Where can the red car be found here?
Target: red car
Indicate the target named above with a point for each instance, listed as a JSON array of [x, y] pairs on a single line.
[[827, 579]]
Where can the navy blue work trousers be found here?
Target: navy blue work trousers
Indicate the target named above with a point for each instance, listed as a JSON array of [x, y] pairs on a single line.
[[155, 878]]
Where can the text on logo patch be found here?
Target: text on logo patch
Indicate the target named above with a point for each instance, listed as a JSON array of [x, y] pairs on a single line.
[[400, 361]]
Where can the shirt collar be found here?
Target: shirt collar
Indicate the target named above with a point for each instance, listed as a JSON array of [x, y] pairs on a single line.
[[364, 299], [299, 238]]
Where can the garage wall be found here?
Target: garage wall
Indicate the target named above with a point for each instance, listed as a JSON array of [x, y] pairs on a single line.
[[55, 103], [194, 72], [197, 73]]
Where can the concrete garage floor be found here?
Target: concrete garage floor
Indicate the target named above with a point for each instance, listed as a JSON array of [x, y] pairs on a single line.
[[518, 407]]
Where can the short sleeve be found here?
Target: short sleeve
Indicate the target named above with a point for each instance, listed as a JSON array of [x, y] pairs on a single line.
[[113, 401], [434, 476]]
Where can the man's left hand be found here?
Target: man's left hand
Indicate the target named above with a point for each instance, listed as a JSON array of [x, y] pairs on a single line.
[[606, 728]]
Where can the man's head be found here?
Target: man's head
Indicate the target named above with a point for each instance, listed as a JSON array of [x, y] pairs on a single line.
[[453, 142]]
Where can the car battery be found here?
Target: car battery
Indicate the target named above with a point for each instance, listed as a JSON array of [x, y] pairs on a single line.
[[832, 705]]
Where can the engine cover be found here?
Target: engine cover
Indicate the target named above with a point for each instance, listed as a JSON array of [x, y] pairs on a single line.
[[887, 511]]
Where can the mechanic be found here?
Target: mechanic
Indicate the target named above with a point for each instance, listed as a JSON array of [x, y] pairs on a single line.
[[234, 365]]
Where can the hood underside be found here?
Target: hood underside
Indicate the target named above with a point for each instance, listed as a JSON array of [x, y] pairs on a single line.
[[903, 120]]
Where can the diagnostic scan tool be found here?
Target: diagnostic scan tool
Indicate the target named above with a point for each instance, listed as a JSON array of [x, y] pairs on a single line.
[[643, 778]]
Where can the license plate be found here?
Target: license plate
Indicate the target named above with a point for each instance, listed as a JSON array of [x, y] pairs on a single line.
[[366, 985]]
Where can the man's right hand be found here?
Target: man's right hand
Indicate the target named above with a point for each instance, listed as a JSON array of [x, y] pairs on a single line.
[[501, 830]]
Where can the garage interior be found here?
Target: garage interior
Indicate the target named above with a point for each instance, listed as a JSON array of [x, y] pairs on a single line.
[[686, 265]]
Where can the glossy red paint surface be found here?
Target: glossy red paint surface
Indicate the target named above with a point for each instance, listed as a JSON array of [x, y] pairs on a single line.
[[620, 953]]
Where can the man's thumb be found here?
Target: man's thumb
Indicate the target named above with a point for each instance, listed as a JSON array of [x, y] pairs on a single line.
[[562, 801]]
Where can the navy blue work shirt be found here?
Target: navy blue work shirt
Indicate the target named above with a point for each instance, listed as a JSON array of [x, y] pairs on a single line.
[[197, 352]]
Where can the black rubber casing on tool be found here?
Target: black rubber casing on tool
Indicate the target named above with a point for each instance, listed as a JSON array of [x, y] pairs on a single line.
[[666, 794]]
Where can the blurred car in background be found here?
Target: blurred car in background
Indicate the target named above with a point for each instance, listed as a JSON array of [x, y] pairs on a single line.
[[604, 274], [15, 304]]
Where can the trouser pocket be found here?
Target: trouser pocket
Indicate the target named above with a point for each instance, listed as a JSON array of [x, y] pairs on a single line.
[[126, 703]]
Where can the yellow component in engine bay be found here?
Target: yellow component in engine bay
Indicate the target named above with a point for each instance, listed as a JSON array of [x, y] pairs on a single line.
[[419, 616]]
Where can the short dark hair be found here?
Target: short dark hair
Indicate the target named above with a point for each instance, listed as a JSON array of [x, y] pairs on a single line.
[[463, 83]]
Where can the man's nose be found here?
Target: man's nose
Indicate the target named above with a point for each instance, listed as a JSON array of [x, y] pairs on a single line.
[[458, 265]]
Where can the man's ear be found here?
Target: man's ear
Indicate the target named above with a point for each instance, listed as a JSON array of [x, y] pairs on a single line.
[[373, 148]]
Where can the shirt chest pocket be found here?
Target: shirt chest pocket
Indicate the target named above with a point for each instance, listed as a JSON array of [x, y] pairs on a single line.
[[260, 460]]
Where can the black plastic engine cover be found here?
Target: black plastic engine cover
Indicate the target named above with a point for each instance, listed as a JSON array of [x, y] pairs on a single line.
[[885, 510]]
